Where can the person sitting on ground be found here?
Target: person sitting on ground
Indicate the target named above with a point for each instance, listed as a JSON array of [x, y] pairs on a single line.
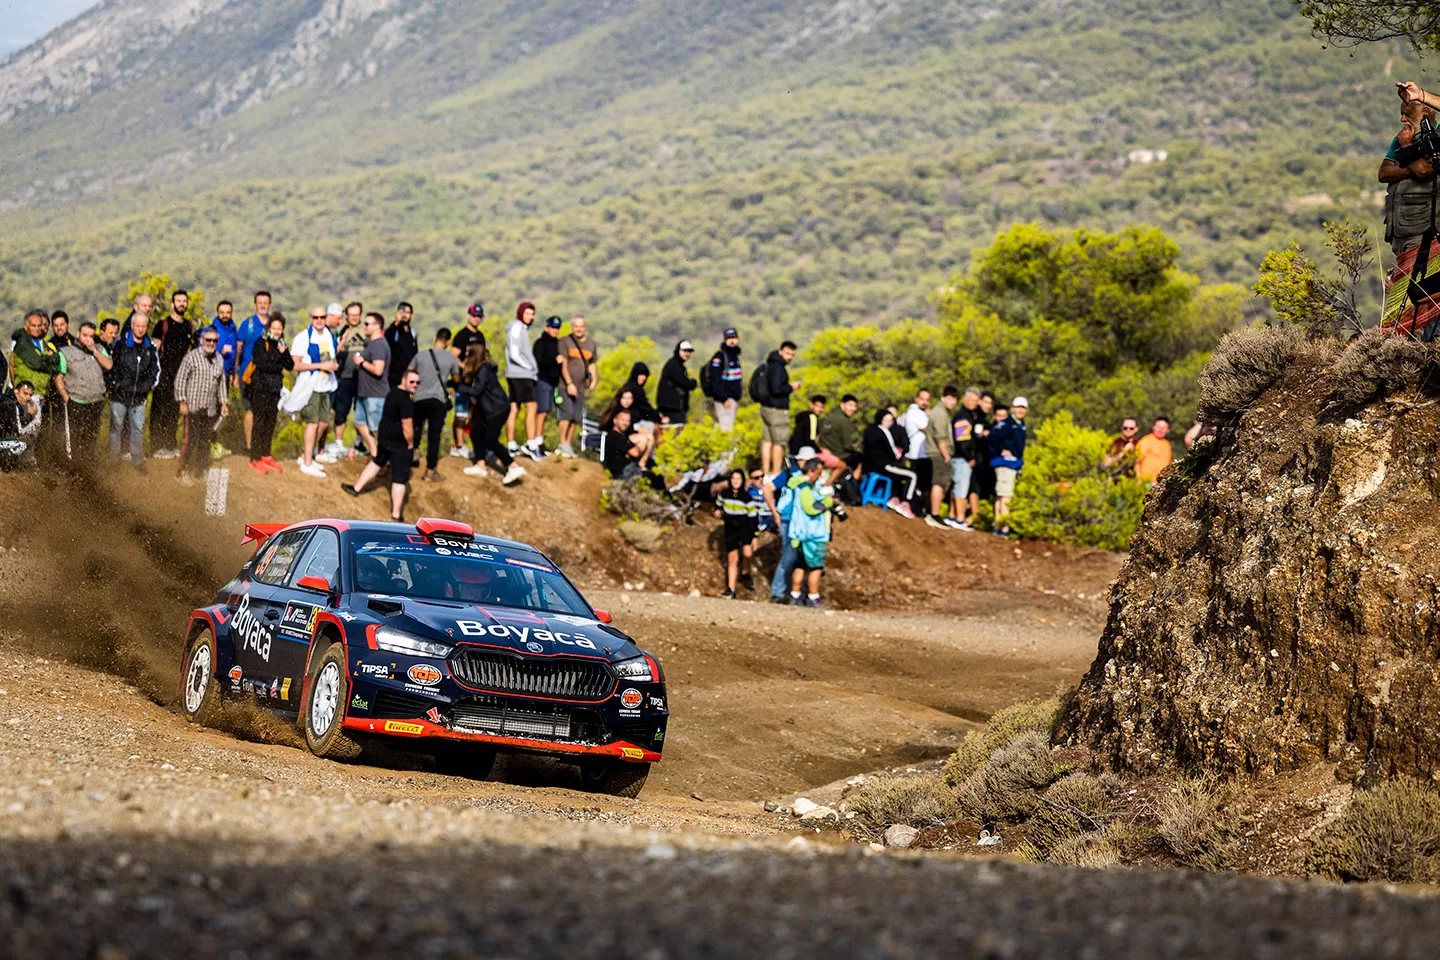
[[396, 445], [264, 378], [837, 440], [739, 508], [1153, 451], [624, 454], [489, 410], [1121, 451], [641, 431], [809, 533], [672, 396], [881, 455], [806, 432], [643, 417]]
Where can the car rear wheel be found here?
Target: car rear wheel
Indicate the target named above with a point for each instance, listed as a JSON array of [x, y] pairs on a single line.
[[199, 690], [464, 760], [324, 712], [614, 777]]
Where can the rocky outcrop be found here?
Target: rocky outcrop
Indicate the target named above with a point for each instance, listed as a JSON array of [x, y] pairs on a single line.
[[1279, 603]]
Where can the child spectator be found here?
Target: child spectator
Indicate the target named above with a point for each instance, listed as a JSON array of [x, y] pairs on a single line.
[[809, 533], [739, 508]]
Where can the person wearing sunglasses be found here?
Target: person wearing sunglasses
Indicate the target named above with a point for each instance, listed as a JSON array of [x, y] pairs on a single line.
[[1120, 455], [200, 391]]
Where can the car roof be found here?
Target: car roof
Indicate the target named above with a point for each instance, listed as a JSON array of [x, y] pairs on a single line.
[[375, 526]]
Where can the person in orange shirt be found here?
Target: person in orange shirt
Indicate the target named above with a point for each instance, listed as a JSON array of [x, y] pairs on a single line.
[[1153, 451]]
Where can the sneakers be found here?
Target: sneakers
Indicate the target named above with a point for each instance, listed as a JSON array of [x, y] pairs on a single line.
[[513, 475], [727, 594], [902, 508], [954, 524], [930, 521], [166, 454], [311, 470], [566, 451], [815, 601], [460, 452], [350, 489], [535, 452], [326, 456], [269, 464], [513, 447], [431, 476], [476, 470], [747, 581], [259, 466]]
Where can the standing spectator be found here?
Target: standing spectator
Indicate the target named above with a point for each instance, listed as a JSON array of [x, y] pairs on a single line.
[[172, 337], [437, 368], [672, 395], [838, 440], [403, 345], [547, 373], [1121, 452], [967, 431], [54, 434], [489, 408], [939, 444], [773, 396], [738, 507], [396, 443], [252, 329], [60, 334], [982, 478], [200, 391], [33, 358], [371, 381], [1007, 456], [578, 359], [134, 375], [83, 394], [623, 452], [780, 505], [1153, 451], [325, 450], [350, 339], [809, 533], [520, 374], [882, 454], [806, 432], [224, 326], [914, 423], [469, 333], [722, 380], [316, 361], [105, 339], [269, 359]]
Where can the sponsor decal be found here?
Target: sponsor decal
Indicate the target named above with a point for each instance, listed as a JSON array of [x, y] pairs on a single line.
[[433, 714], [254, 634], [534, 647], [345, 615], [464, 544], [526, 563], [572, 620], [299, 619], [397, 726], [474, 628], [285, 689], [658, 703], [631, 753], [376, 669], [423, 674], [275, 689], [359, 703], [236, 673], [659, 734], [631, 698], [430, 692]]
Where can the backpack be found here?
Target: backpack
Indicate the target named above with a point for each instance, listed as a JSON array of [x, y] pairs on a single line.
[[786, 503], [707, 378], [760, 384]]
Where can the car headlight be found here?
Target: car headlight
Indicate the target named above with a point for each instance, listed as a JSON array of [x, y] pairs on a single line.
[[636, 668], [412, 646]]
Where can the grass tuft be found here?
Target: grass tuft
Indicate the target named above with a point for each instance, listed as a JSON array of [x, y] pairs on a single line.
[[1196, 827], [1375, 364], [917, 801], [1244, 365], [1033, 715], [1004, 787], [1389, 833]]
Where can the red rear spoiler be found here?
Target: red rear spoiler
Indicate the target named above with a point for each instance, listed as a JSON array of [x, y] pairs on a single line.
[[260, 532]]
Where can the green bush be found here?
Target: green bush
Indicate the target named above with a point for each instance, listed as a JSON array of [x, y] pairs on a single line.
[[917, 801], [1006, 786], [1389, 833]]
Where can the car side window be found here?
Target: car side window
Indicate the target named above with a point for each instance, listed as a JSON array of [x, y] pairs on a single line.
[[320, 559], [275, 566]]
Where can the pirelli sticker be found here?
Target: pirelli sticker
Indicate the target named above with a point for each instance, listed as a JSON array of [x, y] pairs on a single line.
[[399, 726], [630, 753]]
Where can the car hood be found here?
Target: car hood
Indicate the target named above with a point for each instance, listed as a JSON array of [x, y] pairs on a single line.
[[524, 631]]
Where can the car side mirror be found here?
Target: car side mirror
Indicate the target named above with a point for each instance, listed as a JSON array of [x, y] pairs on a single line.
[[604, 616], [318, 584]]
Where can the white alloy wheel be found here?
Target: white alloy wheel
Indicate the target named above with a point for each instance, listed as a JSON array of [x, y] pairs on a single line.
[[325, 701], [198, 678]]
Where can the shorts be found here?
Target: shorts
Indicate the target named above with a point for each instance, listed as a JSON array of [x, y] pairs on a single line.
[[644, 426], [521, 391], [725, 414], [544, 396], [774, 426], [937, 472], [1005, 481], [368, 411], [317, 408], [812, 553], [738, 539], [343, 400], [398, 459], [244, 395], [572, 409], [960, 471], [462, 406]]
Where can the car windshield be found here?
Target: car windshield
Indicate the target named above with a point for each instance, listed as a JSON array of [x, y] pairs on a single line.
[[413, 566]]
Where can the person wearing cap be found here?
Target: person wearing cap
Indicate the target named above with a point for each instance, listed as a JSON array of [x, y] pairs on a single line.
[[1007, 456], [723, 381], [578, 369], [547, 371], [672, 396], [459, 345], [771, 491]]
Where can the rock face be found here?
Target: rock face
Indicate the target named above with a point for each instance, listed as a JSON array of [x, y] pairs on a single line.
[[1279, 603]]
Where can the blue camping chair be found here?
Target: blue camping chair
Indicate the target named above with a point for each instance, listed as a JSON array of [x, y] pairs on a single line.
[[876, 491]]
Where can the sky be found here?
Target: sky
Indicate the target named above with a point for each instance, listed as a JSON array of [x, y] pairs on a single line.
[[22, 21]]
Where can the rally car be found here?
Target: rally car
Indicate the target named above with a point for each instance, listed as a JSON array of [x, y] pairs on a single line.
[[432, 638]]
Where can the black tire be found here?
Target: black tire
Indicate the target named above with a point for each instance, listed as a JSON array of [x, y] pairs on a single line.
[[464, 760], [615, 778], [323, 713], [199, 686]]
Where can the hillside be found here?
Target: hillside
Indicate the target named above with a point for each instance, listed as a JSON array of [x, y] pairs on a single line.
[[682, 166]]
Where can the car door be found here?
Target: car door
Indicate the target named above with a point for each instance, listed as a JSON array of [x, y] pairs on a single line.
[[299, 606], [260, 646]]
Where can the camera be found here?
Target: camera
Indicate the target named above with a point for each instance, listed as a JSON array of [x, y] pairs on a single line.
[[840, 512], [1425, 146]]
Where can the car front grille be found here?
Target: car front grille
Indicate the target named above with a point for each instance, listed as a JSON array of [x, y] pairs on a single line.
[[390, 704], [561, 678], [639, 732], [485, 715]]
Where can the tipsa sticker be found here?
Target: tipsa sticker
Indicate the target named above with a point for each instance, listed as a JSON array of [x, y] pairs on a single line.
[[630, 753], [423, 674], [397, 726], [631, 698]]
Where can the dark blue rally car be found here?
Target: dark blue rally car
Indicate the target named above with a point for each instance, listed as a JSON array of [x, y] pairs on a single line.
[[453, 644]]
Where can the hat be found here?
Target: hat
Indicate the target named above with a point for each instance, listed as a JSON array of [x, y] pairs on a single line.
[[805, 453], [477, 309], [554, 323], [686, 345], [1020, 402], [335, 308], [730, 332]]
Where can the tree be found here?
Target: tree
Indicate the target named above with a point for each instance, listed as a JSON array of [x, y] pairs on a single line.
[[1304, 296], [1355, 21], [160, 287]]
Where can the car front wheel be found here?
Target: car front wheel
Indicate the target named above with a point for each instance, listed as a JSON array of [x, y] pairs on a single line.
[[616, 778], [324, 713]]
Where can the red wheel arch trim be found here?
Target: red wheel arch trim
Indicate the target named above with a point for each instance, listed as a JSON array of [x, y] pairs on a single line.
[[324, 616]]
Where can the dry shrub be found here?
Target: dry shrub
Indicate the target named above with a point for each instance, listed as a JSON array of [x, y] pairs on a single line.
[[643, 535], [1074, 806], [637, 501], [1094, 849], [1244, 365], [1375, 363], [1033, 715], [1004, 787], [1196, 827], [1389, 833], [917, 801]]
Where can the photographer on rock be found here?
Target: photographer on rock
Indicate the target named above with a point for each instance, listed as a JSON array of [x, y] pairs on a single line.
[[1412, 289], [1408, 186]]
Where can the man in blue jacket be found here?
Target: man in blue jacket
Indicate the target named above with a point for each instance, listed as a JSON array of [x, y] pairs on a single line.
[[224, 326], [723, 380], [1007, 456], [134, 372]]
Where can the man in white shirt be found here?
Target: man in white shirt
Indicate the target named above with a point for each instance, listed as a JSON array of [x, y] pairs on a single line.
[[914, 421], [315, 353]]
